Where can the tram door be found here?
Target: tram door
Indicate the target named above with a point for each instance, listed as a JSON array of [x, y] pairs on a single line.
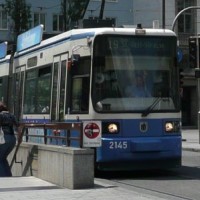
[[18, 91], [59, 87]]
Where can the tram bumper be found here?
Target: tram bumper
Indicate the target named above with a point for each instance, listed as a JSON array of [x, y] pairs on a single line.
[[152, 145], [140, 153]]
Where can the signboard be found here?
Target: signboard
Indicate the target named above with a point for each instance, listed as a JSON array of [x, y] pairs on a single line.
[[30, 38], [92, 134], [3, 50]]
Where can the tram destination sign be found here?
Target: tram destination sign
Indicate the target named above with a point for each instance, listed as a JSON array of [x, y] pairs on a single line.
[[3, 49], [151, 45], [30, 38]]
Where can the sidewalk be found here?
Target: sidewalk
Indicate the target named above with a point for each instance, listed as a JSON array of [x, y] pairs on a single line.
[[190, 140], [23, 188]]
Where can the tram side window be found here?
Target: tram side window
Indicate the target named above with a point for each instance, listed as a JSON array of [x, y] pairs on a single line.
[[44, 82], [37, 91]]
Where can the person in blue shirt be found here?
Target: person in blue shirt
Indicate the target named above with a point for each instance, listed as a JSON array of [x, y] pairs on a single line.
[[138, 88], [7, 122]]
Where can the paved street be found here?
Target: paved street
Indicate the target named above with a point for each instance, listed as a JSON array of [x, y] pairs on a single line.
[[190, 139], [23, 188]]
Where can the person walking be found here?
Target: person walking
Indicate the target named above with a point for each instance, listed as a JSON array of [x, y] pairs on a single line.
[[9, 125]]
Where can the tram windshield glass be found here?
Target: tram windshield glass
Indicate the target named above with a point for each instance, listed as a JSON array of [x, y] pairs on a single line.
[[135, 73]]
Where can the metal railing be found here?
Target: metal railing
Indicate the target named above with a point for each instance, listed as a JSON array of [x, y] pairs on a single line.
[[56, 127], [56, 130]]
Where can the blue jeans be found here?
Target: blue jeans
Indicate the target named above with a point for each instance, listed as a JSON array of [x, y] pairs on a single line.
[[5, 150]]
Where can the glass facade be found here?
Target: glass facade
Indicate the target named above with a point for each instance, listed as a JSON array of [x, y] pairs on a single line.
[[186, 21]]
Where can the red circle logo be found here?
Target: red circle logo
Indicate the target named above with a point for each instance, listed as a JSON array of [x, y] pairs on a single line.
[[91, 130]]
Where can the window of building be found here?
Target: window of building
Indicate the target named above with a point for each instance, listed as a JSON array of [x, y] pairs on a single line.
[[57, 23], [186, 20], [107, 0], [39, 18], [3, 20]]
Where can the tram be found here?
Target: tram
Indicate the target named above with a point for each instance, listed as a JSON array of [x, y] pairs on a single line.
[[124, 78]]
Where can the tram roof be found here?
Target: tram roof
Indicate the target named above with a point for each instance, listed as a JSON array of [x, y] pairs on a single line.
[[76, 34], [5, 59]]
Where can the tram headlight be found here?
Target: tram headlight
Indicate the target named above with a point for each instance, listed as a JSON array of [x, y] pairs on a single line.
[[110, 127], [172, 126]]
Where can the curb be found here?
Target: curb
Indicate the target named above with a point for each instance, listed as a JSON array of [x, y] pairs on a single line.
[[194, 149]]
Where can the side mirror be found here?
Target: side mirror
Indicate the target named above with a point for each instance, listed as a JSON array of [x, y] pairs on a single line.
[[75, 59]]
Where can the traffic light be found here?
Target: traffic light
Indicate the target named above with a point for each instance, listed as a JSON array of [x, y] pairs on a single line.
[[181, 77], [181, 81], [193, 52]]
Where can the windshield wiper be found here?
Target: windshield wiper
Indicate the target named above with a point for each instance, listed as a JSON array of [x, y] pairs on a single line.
[[152, 106]]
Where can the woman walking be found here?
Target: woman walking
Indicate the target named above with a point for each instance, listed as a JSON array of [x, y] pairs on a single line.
[[8, 122]]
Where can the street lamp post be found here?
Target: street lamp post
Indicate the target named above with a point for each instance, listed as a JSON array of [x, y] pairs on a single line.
[[163, 14], [177, 16], [197, 69]]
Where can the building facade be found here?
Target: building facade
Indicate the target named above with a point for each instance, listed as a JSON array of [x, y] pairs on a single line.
[[154, 13], [132, 12]]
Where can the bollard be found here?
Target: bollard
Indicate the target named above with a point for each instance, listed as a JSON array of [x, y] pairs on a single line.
[[199, 125]]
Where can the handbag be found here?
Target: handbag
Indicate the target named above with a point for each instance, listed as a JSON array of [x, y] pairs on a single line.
[[2, 139]]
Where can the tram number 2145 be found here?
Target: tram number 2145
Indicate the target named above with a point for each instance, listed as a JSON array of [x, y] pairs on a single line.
[[118, 145]]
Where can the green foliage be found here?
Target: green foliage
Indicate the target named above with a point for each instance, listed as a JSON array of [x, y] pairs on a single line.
[[73, 10], [20, 13], [77, 9]]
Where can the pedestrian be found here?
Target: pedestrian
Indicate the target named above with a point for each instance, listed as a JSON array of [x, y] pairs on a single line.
[[9, 125]]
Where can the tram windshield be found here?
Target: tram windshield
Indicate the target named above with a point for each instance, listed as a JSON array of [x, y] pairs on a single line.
[[135, 74]]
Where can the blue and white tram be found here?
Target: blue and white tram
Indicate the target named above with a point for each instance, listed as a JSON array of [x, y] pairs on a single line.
[[88, 74], [5, 87]]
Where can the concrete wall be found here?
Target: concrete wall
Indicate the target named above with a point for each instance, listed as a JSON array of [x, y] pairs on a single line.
[[64, 166]]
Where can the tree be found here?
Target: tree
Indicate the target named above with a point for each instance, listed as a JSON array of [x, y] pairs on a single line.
[[72, 11], [20, 14]]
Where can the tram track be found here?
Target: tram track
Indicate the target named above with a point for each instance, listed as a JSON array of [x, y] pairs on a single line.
[[161, 184], [146, 190]]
